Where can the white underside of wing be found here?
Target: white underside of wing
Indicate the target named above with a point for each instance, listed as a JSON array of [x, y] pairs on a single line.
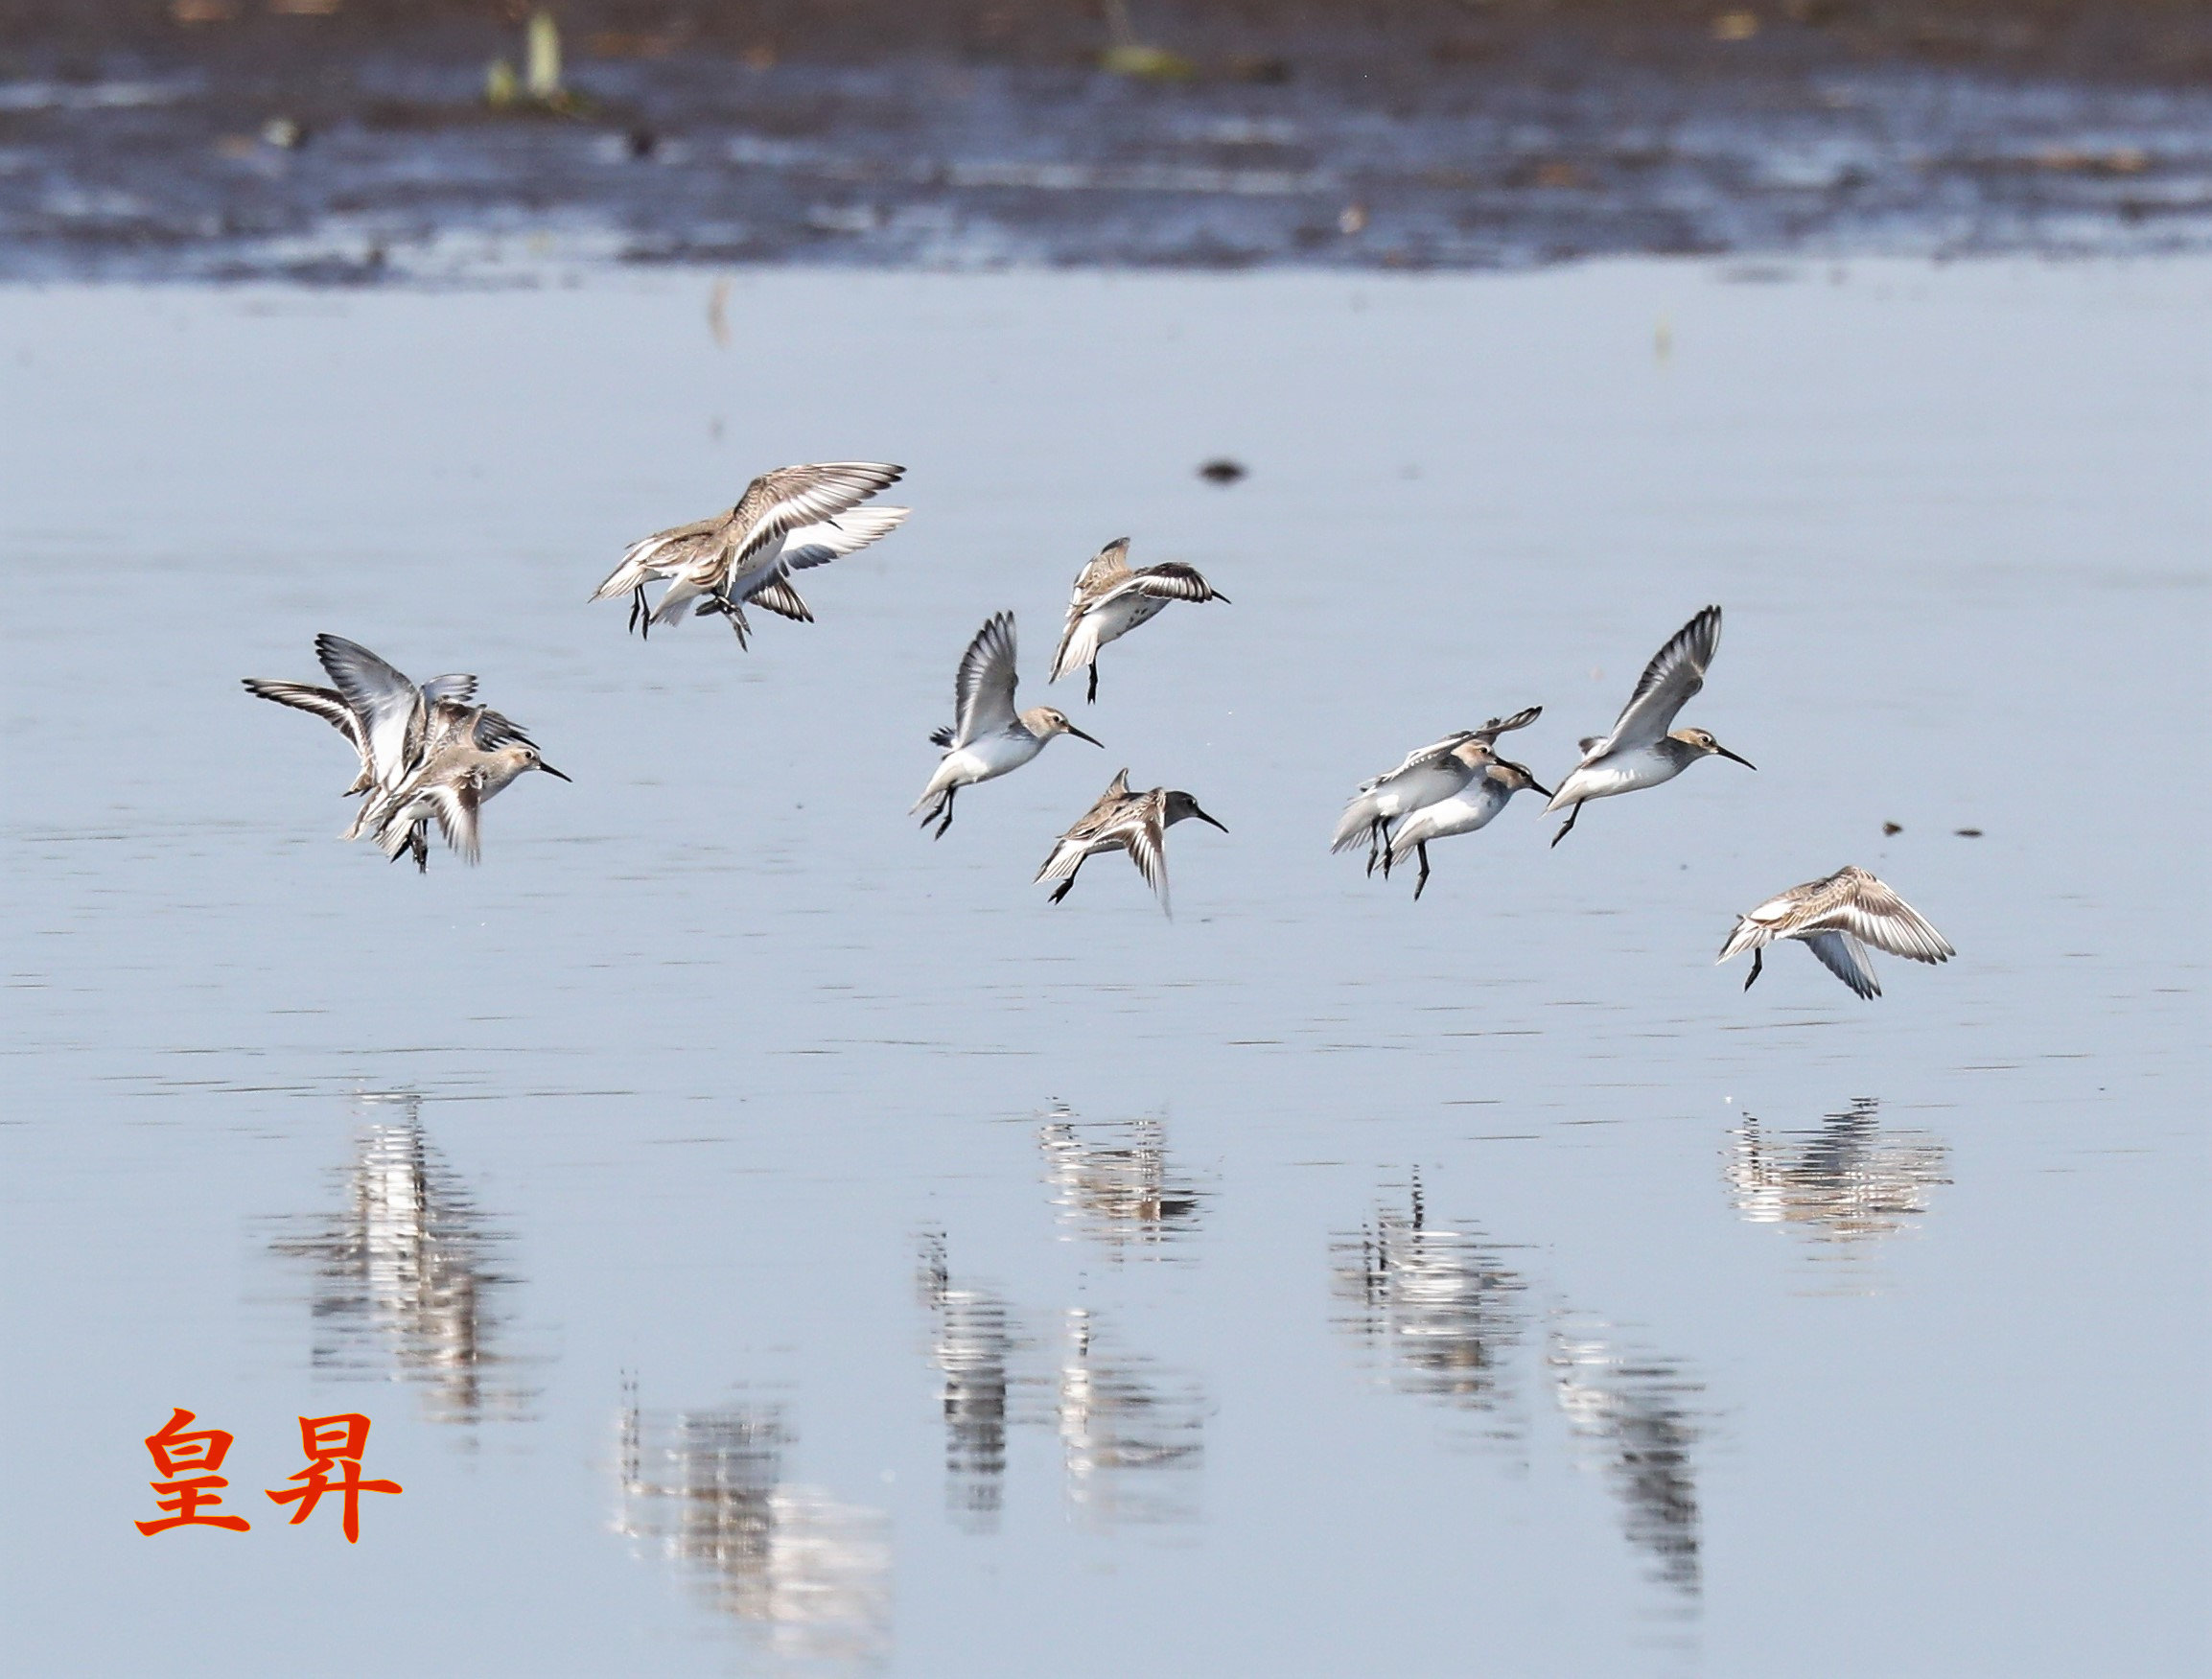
[[1845, 957], [817, 544]]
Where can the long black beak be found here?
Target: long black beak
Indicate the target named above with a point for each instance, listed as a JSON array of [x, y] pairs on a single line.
[[1226, 601], [1203, 817], [1535, 787], [551, 770], [1080, 735], [1733, 758]]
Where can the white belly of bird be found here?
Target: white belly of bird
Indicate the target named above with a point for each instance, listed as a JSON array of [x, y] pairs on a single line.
[[1624, 772], [1117, 618], [980, 760], [1461, 813]]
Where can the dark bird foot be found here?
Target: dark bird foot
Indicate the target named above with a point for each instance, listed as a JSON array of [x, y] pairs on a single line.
[[1757, 961], [1567, 827], [1421, 884], [1090, 698]]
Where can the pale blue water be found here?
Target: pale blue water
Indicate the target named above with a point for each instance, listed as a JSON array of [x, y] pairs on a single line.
[[766, 1240]]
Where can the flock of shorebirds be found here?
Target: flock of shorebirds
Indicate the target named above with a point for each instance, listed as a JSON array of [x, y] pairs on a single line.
[[429, 754]]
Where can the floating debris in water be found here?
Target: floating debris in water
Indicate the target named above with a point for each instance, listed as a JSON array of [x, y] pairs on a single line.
[[1222, 470], [1352, 218], [283, 133], [1967, 832], [1892, 828]]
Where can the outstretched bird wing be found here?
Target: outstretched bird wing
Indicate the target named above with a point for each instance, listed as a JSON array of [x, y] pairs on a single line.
[[983, 690], [1845, 957], [778, 597], [1170, 580], [1866, 908], [1423, 758], [1489, 732], [1675, 674], [326, 703], [817, 544], [778, 503], [390, 708]]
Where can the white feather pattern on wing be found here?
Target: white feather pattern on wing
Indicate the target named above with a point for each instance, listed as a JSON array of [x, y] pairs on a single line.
[[1670, 682], [983, 690], [390, 708], [817, 544], [777, 502], [1845, 957]]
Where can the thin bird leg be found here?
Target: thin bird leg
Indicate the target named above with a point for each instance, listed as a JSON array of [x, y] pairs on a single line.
[[1062, 891], [1091, 698], [736, 617], [947, 822], [1374, 844], [1757, 961], [1572, 816], [636, 606], [1423, 849]]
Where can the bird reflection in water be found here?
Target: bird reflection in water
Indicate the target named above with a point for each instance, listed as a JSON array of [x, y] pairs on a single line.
[[405, 1277], [1845, 1182], [807, 1576], [1131, 1430], [1634, 1417], [1131, 1434], [974, 1348], [1110, 1181], [1437, 1308]]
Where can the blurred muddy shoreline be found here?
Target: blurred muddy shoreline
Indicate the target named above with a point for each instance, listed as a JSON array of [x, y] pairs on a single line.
[[352, 140]]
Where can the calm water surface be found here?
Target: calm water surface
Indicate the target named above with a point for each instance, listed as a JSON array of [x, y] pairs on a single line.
[[767, 1241]]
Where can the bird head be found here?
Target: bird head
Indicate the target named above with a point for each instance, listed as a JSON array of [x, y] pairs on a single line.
[[1706, 746], [1045, 722], [1182, 804], [1515, 777]]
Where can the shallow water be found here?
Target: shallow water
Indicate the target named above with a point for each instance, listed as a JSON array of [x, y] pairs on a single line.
[[767, 1240]]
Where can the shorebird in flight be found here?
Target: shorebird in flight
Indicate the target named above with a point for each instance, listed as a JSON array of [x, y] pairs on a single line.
[[989, 736], [1110, 599], [1123, 821], [1488, 792], [787, 520], [1837, 918], [1640, 752], [399, 730], [1438, 771]]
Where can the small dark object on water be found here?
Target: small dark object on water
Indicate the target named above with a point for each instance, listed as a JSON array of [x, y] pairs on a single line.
[[1890, 827], [640, 143], [1967, 832], [1264, 72], [1222, 470]]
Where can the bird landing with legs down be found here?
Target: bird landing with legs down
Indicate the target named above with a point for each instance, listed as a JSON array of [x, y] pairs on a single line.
[[426, 752], [1112, 600], [1123, 821], [1433, 776], [1837, 918], [1642, 751], [789, 520], [988, 738]]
